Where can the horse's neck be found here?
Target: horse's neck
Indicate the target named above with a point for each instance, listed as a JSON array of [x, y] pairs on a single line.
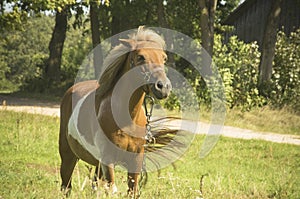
[[136, 100], [135, 106]]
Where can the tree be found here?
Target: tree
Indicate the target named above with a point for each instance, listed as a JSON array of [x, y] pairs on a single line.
[[95, 27], [52, 70], [162, 22], [23, 54], [224, 8], [118, 16], [22, 9], [12, 17], [268, 48], [207, 9], [161, 14]]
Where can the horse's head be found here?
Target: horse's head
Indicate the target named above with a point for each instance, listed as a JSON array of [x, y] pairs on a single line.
[[152, 63], [148, 54]]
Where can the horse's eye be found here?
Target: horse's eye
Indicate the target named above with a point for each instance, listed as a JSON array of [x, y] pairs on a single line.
[[140, 58]]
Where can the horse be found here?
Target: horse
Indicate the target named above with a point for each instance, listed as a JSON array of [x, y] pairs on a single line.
[[144, 51]]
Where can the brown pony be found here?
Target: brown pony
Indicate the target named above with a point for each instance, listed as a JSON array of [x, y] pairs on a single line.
[[123, 142]]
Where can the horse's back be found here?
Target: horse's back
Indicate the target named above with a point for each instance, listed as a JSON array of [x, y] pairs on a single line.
[[75, 93]]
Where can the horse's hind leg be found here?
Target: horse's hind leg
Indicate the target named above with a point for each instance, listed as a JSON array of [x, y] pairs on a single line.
[[66, 169], [68, 161], [109, 176], [97, 176]]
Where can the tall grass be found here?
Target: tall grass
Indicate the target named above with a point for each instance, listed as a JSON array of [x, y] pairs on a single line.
[[265, 119], [262, 119], [29, 167]]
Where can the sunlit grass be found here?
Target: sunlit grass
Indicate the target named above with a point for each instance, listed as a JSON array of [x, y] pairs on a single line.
[[264, 119], [29, 167]]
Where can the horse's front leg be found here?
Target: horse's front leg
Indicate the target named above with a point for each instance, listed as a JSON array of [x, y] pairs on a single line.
[[133, 184], [133, 174], [109, 177]]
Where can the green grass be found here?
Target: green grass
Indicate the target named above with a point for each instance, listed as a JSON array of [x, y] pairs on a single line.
[[29, 167], [264, 119]]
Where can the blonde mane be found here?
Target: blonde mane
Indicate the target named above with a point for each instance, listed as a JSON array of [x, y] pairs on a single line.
[[116, 59]]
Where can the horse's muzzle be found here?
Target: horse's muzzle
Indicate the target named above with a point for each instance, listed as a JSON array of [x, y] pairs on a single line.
[[162, 88]]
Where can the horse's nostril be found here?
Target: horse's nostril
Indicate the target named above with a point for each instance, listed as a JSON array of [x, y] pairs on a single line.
[[159, 85]]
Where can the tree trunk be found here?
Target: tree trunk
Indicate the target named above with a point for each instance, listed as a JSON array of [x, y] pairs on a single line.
[[97, 51], [52, 70], [117, 14], [161, 14], [1, 7], [268, 48], [207, 9], [162, 21]]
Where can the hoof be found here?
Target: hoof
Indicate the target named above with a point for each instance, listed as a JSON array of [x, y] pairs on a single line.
[[114, 189], [132, 194], [111, 188], [66, 190], [94, 186]]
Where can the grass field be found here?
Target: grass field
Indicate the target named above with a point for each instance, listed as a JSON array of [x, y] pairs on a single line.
[[263, 119], [29, 167]]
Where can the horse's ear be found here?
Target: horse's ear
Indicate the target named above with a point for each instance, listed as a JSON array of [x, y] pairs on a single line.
[[130, 43]]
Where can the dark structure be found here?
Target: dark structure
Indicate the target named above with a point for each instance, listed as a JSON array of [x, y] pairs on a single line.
[[250, 17]]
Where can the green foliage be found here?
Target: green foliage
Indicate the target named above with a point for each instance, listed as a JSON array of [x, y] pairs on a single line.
[[76, 48], [224, 8], [5, 84], [13, 13], [12, 20], [39, 5], [177, 16], [238, 63], [24, 52], [172, 103], [286, 71]]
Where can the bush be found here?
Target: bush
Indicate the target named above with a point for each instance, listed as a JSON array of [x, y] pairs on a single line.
[[238, 63], [286, 71]]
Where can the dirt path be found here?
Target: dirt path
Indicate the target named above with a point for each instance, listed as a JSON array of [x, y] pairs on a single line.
[[29, 105], [52, 109]]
